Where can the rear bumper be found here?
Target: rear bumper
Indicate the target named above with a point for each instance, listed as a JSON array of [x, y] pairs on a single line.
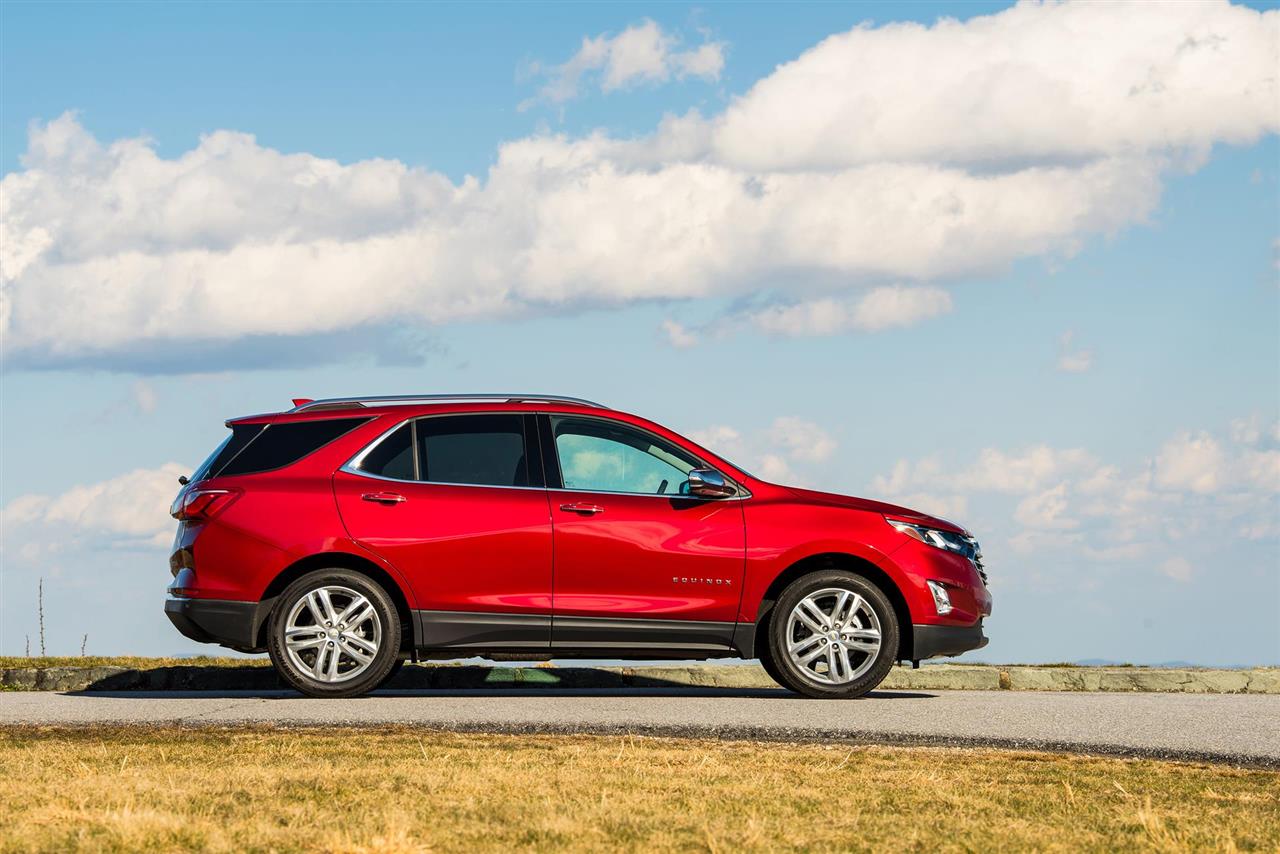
[[220, 621], [935, 641]]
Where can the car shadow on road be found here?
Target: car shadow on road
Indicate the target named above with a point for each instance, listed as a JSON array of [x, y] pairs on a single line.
[[441, 681], [464, 693]]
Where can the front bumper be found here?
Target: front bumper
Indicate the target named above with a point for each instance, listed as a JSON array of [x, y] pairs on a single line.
[[220, 621], [935, 641]]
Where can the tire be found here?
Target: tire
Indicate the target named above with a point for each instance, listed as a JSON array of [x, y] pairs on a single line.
[[862, 641], [367, 647], [767, 662]]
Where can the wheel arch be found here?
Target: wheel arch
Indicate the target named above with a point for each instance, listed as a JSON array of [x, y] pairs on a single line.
[[338, 560], [850, 563]]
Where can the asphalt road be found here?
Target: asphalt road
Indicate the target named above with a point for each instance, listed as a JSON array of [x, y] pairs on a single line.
[[1243, 729]]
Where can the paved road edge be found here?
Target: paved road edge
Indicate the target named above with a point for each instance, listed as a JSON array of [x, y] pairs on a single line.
[[1263, 680]]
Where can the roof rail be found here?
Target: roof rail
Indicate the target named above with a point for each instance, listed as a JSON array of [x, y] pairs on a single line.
[[339, 402]]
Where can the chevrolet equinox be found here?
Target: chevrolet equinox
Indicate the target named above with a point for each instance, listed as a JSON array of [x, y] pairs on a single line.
[[345, 536]]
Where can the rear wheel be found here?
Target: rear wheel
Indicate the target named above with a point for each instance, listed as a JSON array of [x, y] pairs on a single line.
[[833, 634], [334, 633]]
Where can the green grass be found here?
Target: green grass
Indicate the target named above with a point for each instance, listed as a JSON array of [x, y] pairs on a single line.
[[394, 789], [8, 662], [143, 663]]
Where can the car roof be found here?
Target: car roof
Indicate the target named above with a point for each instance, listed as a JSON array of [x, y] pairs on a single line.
[[406, 406]]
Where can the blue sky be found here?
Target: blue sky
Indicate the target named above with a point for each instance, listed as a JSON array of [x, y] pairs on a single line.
[[1082, 364]]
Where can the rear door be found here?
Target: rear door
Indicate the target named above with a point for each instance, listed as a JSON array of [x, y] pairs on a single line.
[[638, 564], [457, 503]]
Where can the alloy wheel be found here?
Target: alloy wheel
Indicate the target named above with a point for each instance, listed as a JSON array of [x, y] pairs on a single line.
[[332, 634], [833, 636]]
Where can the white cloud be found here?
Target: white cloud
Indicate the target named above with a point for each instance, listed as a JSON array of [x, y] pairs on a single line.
[[1045, 509], [130, 510], [923, 486], [1025, 471], [952, 507], [1254, 430], [1181, 507], [1076, 363], [254, 242], [1177, 568], [1261, 469], [1193, 462], [1034, 543], [144, 397], [705, 61], [803, 440], [881, 308], [930, 486], [719, 438], [1073, 361], [788, 451], [679, 335], [642, 53], [1055, 81], [853, 167], [775, 468]]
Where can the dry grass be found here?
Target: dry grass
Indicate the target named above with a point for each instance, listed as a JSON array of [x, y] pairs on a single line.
[[135, 662], [401, 789]]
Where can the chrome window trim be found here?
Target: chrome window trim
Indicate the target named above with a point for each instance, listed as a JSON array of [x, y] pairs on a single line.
[[358, 473], [352, 466], [744, 493]]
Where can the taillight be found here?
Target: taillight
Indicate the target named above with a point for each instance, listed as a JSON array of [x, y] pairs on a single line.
[[200, 504]]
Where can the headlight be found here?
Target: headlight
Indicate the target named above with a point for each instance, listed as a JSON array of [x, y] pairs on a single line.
[[960, 544], [944, 540]]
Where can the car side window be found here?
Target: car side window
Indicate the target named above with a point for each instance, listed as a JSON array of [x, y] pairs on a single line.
[[600, 456], [278, 445], [393, 456], [480, 450]]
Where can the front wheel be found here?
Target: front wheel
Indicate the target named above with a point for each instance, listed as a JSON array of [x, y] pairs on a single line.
[[833, 634], [334, 633]]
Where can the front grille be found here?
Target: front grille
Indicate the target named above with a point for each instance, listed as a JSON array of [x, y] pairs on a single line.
[[974, 554]]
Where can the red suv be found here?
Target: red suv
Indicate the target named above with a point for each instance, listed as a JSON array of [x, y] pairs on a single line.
[[346, 535]]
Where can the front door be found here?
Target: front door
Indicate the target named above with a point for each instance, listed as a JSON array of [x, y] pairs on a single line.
[[638, 564], [457, 504]]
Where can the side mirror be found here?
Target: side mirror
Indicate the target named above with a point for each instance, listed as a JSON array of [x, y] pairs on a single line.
[[709, 483]]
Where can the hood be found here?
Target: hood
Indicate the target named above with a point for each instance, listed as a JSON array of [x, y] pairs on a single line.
[[833, 500]]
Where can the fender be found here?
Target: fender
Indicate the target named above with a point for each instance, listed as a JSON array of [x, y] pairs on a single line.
[[343, 545], [763, 570]]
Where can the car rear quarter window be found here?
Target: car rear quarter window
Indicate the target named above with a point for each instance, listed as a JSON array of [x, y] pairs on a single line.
[[392, 457], [479, 450], [279, 445]]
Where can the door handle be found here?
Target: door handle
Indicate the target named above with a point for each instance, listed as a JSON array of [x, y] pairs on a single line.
[[583, 508], [384, 497]]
